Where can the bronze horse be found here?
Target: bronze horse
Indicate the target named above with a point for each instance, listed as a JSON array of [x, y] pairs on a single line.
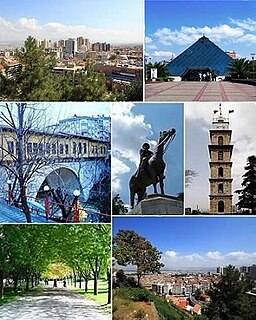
[[154, 172]]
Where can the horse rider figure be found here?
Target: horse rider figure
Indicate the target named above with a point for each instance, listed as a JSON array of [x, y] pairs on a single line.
[[145, 155]]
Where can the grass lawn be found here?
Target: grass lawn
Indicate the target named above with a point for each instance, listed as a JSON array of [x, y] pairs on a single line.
[[101, 297], [10, 295]]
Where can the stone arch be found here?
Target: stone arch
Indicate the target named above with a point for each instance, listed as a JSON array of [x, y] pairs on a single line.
[[220, 140], [64, 178], [220, 172], [221, 206]]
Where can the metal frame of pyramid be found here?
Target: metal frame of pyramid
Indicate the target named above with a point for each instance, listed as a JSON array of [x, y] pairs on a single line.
[[201, 54]]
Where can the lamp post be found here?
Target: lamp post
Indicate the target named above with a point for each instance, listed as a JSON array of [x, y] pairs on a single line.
[[46, 204], [9, 190], [76, 194], [253, 54]]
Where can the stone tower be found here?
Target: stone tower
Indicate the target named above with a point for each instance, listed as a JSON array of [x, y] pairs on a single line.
[[220, 150]]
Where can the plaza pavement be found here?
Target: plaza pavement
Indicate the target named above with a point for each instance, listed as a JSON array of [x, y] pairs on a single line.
[[52, 303], [199, 91]]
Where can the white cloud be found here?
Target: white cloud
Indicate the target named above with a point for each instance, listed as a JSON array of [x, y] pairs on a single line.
[[247, 24], [19, 30], [118, 168], [126, 149], [148, 40], [167, 55], [177, 260], [151, 46], [214, 255], [187, 35]]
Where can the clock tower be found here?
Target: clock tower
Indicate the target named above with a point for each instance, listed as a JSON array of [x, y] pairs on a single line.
[[220, 151]]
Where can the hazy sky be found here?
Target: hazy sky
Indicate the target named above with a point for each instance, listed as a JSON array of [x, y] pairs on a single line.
[[172, 26], [112, 21], [196, 241], [55, 111], [198, 122], [134, 124]]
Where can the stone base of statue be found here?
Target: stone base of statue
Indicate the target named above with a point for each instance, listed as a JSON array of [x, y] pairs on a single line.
[[156, 204]]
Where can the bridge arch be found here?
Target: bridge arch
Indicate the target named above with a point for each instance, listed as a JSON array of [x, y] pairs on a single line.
[[55, 176]]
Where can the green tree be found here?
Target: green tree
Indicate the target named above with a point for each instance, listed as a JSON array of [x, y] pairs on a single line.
[[239, 68], [162, 72], [33, 80], [247, 195], [133, 92], [131, 249], [88, 85], [118, 205], [229, 299]]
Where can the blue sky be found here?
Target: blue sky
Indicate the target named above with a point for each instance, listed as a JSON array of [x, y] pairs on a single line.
[[97, 20], [134, 124], [172, 26], [196, 241]]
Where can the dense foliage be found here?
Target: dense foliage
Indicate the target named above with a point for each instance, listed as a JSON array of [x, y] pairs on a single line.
[[242, 69], [131, 249], [27, 251], [230, 299], [247, 195]]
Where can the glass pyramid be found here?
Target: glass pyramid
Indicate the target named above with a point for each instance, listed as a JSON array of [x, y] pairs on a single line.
[[202, 54]]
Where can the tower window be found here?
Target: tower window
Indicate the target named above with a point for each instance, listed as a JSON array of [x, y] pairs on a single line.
[[220, 155], [220, 172], [220, 140], [220, 206], [220, 188]]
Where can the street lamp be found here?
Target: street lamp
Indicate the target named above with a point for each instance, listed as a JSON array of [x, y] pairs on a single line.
[[46, 206], [9, 190], [253, 54], [76, 194]]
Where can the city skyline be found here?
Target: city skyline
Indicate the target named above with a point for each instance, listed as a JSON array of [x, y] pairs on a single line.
[[196, 242], [198, 122], [134, 124], [57, 20], [229, 24]]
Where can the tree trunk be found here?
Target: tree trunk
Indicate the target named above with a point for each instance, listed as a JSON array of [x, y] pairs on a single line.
[[95, 283], [109, 285], [15, 283], [80, 280], [20, 156], [75, 279], [32, 281], [1, 284], [27, 283], [24, 203], [138, 279], [86, 279]]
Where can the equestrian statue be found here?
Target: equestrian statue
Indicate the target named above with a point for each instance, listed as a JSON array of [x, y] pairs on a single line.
[[151, 167]]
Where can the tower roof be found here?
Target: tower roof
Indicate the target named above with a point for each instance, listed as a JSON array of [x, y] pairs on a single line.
[[219, 122], [202, 54]]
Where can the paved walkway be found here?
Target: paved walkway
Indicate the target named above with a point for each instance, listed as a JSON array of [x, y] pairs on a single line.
[[11, 214], [199, 91], [52, 303]]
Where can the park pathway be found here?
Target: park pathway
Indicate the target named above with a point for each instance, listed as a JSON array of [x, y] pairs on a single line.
[[52, 303]]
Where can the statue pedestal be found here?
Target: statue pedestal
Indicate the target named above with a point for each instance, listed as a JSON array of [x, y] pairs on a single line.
[[156, 204]]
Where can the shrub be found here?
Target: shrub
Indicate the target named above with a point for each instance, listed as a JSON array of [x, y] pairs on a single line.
[[140, 314]]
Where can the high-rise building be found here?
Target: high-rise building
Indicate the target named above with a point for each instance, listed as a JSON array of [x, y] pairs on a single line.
[[71, 46], [220, 151], [96, 46]]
